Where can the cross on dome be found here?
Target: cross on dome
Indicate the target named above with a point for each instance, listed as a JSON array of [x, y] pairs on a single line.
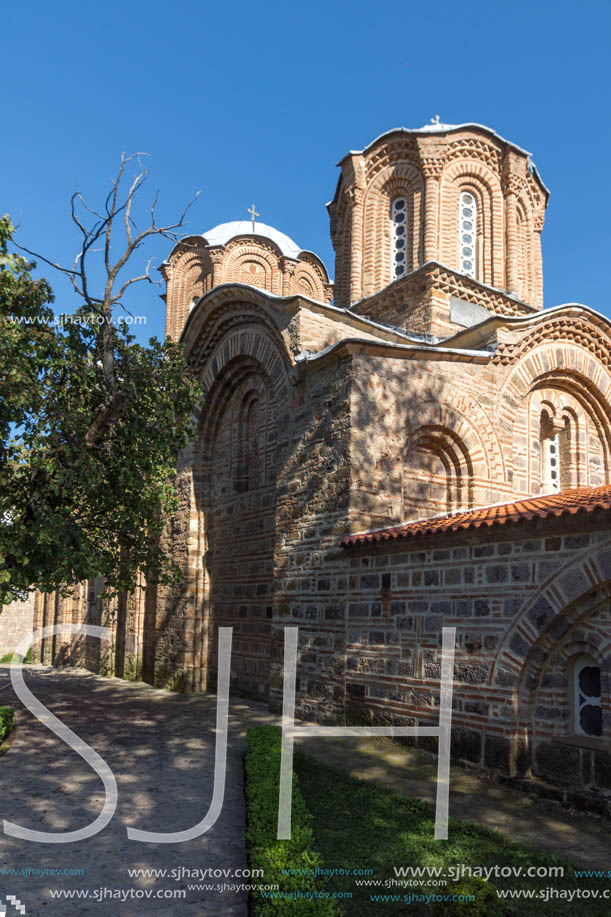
[[253, 213]]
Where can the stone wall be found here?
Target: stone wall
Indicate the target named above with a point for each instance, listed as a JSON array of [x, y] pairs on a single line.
[[16, 622], [526, 601]]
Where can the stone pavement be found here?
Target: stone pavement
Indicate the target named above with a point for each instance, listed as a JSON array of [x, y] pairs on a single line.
[[584, 839], [160, 747]]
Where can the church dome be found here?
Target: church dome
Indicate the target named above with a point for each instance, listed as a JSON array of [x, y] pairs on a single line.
[[233, 253], [224, 232]]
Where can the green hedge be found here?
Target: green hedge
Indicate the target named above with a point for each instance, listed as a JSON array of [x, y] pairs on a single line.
[[265, 851], [8, 658], [7, 721]]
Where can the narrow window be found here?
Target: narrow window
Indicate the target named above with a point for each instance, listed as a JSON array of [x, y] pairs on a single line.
[[550, 456], [587, 699], [467, 233], [398, 213]]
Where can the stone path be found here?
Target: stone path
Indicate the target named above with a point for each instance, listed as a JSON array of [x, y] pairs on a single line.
[[160, 746], [584, 839]]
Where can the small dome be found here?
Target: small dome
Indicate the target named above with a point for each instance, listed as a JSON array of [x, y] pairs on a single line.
[[224, 232]]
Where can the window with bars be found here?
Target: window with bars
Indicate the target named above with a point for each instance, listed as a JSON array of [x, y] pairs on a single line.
[[588, 716], [550, 461], [467, 233], [398, 214]]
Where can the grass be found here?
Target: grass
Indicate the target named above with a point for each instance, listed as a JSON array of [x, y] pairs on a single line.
[[7, 721], [358, 824], [8, 658], [262, 772]]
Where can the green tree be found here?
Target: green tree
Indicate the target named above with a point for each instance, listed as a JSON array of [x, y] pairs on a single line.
[[91, 423]]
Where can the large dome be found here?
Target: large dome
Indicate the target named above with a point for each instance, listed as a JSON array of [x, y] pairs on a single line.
[[221, 235]]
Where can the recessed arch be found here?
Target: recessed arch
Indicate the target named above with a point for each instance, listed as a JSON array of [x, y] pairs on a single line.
[[398, 180], [476, 178]]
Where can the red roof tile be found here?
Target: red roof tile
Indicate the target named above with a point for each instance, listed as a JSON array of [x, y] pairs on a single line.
[[565, 503]]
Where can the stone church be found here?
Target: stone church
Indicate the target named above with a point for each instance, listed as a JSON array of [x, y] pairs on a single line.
[[415, 444]]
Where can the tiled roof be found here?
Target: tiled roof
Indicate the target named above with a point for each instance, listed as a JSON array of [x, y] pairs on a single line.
[[565, 503]]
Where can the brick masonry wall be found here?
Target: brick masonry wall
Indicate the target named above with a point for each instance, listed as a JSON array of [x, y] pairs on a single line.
[[511, 595]]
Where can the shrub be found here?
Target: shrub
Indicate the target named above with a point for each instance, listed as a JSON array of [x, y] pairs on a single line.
[[7, 721], [265, 851], [8, 658]]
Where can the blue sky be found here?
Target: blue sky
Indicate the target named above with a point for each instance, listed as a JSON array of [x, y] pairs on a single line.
[[256, 102]]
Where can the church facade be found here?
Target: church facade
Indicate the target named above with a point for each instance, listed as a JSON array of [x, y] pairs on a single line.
[[416, 445]]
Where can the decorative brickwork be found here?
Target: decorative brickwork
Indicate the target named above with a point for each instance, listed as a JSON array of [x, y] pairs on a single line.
[[430, 170], [194, 268]]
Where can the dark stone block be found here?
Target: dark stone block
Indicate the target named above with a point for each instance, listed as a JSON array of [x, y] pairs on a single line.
[[358, 610], [466, 744], [574, 584], [428, 743], [520, 573], [355, 691], [386, 581], [468, 575], [496, 753], [473, 643], [463, 607], [431, 578], [484, 550], [476, 706], [496, 573], [553, 544], [574, 542], [370, 581], [560, 763], [482, 607], [334, 612], [541, 613], [441, 608], [531, 547], [418, 607], [602, 769], [472, 674]]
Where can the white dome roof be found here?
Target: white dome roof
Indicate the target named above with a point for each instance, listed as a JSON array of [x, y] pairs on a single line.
[[224, 232]]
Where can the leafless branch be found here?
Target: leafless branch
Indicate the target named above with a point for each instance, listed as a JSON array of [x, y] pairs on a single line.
[[103, 229]]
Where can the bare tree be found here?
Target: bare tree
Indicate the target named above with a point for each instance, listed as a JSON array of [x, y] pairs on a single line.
[[98, 236]]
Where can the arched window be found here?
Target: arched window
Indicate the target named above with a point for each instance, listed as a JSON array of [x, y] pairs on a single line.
[[587, 706], [467, 233], [398, 213], [550, 456]]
